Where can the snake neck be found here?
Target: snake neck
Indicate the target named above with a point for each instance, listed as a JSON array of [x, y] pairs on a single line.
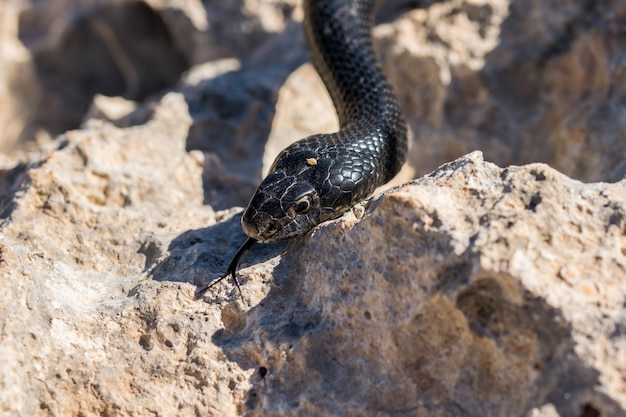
[[338, 34], [320, 177], [340, 45]]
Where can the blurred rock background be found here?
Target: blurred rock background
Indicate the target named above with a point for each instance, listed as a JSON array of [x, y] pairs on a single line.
[[131, 132]]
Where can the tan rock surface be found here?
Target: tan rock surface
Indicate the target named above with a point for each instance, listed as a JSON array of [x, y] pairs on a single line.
[[472, 291]]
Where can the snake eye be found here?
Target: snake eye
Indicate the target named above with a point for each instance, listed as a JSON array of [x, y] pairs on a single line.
[[303, 205]]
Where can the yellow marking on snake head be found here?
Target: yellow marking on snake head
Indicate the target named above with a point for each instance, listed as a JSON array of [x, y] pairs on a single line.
[[311, 161]]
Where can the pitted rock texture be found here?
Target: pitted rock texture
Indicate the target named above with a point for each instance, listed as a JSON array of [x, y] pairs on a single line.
[[457, 294], [475, 290], [479, 289]]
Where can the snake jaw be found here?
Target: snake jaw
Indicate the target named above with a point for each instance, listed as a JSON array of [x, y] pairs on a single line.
[[264, 228]]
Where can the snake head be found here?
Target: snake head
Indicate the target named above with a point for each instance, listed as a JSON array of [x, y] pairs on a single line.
[[282, 207]]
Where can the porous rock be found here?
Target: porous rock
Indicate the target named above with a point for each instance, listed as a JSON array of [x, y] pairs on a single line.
[[475, 290]]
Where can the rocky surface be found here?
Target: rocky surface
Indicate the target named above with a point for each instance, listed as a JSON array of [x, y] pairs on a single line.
[[474, 290]]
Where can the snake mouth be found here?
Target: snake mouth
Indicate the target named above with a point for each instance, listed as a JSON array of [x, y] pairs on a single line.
[[257, 232], [250, 229]]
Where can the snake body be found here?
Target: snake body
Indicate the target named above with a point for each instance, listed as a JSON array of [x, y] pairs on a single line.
[[320, 177]]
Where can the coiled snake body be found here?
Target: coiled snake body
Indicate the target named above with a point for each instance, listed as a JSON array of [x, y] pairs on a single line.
[[320, 177]]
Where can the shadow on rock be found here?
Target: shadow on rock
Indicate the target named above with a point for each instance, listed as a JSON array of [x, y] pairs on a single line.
[[201, 255], [383, 339], [233, 114], [113, 49]]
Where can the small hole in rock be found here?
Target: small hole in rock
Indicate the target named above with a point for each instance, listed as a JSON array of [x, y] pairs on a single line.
[[589, 411], [145, 342], [367, 315], [262, 371]]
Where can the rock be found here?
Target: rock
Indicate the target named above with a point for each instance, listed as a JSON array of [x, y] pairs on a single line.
[[522, 81], [71, 51], [474, 290], [465, 289], [75, 239], [18, 88]]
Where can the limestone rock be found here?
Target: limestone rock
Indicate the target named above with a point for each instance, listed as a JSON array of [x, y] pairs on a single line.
[[70, 51], [18, 89], [472, 291], [524, 81]]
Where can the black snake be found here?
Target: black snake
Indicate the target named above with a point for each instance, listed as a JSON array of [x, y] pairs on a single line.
[[320, 177]]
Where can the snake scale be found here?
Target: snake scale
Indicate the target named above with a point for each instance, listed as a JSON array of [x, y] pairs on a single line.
[[322, 176]]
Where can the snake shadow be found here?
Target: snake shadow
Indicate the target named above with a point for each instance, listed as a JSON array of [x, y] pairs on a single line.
[[232, 115], [199, 256]]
